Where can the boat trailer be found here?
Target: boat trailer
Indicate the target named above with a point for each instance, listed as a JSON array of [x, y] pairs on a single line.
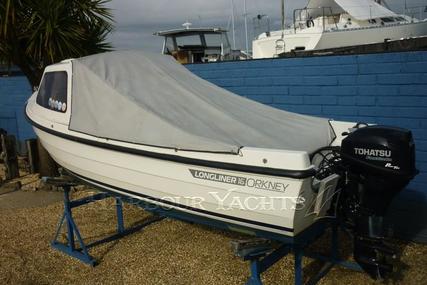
[[262, 251]]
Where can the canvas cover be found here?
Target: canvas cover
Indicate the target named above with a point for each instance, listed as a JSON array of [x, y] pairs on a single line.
[[365, 9], [359, 9], [150, 99]]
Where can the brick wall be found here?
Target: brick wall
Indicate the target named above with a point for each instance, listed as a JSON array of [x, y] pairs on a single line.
[[14, 91], [388, 89]]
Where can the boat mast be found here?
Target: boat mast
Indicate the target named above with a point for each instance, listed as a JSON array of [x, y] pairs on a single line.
[[246, 26], [232, 24], [283, 15]]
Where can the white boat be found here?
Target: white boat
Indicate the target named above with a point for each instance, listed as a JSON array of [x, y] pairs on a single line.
[[142, 125], [325, 24]]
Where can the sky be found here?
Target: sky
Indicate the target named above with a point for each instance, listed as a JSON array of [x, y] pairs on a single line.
[[137, 20]]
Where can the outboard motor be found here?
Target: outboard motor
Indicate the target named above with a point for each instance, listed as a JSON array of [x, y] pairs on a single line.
[[379, 162]]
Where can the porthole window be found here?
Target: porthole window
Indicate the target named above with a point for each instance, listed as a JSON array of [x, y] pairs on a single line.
[[52, 92]]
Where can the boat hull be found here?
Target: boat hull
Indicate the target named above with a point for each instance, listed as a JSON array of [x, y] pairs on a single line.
[[371, 35], [319, 40], [260, 202]]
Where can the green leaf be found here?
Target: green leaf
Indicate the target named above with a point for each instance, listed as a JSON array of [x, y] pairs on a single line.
[[34, 34]]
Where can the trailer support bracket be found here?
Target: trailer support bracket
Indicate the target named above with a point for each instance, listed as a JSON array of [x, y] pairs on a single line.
[[262, 258], [75, 245]]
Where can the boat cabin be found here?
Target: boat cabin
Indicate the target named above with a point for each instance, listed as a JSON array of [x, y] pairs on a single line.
[[196, 45]]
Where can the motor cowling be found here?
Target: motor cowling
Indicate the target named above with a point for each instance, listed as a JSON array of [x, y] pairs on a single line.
[[380, 162], [380, 150]]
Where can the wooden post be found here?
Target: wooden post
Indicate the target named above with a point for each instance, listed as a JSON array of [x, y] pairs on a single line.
[[9, 155], [47, 166], [33, 155]]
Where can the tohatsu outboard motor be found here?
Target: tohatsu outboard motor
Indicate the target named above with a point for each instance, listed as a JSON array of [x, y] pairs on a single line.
[[379, 162]]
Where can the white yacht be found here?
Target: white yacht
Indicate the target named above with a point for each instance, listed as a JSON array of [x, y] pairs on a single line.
[[325, 24]]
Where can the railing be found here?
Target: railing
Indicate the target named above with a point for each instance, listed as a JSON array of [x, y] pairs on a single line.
[[303, 19]]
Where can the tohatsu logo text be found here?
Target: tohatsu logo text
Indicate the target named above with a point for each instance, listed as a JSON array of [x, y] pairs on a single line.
[[373, 152]]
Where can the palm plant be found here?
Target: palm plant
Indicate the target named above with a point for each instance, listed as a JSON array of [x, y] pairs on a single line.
[[34, 34]]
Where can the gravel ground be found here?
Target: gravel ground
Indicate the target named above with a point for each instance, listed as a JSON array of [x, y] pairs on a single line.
[[166, 252]]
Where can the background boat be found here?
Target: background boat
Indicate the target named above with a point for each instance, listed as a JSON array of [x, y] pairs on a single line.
[[326, 24]]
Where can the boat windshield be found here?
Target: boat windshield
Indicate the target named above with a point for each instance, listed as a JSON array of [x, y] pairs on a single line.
[[188, 40], [52, 93], [213, 40]]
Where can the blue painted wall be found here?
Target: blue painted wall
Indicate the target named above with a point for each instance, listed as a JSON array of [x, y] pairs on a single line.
[[383, 88], [386, 89], [14, 92]]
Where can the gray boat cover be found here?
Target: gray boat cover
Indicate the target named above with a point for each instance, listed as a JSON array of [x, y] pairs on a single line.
[[150, 99]]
